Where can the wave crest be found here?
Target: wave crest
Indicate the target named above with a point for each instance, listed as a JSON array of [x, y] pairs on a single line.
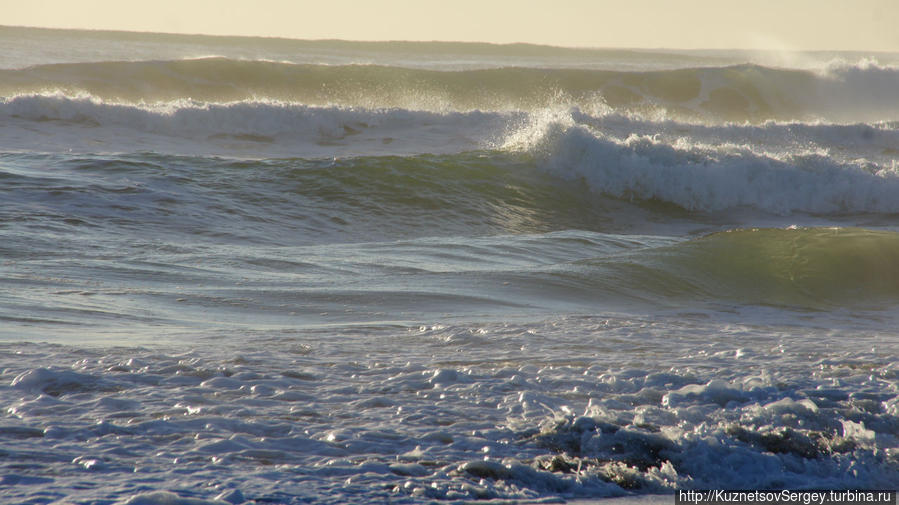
[[263, 128], [711, 177], [749, 92]]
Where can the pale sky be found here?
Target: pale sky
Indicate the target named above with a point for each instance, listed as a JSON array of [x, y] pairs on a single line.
[[687, 24]]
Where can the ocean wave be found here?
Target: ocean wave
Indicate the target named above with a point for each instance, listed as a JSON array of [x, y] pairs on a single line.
[[791, 268], [262, 128], [797, 170], [840, 92], [778, 168], [838, 265], [270, 121], [260, 118], [711, 177], [851, 139], [815, 268]]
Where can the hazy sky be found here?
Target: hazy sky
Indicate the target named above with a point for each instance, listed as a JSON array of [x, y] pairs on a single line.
[[768, 24]]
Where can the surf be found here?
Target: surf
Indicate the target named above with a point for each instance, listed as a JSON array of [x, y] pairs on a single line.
[[740, 93], [708, 177]]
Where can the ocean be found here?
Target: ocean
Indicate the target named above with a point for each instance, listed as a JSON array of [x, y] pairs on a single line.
[[249, 270]]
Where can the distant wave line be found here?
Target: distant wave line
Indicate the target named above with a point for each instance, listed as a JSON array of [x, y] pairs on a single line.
[[748, 92]]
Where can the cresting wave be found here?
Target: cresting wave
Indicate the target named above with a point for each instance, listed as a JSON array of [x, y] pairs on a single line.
[[748, 92], [618, 147], [264, 119], [696, 177], [253, 128], [499, 215], [260, 117], [706, 178]]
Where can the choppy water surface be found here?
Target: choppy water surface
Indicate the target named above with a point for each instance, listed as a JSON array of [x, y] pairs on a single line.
[[271, 271]]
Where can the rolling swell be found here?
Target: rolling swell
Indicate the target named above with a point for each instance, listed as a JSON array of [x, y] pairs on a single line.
[[589, 183], [798, 265], [745, 92], [805, 267], [294, 201], [792, 268], [776, 168], [262, 123]]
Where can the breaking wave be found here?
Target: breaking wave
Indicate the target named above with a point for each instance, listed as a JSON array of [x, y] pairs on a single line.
[[712, 177], [747, 92]]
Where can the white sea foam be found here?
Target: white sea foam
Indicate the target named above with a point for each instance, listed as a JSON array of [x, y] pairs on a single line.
[[876, 140], [487, 411]]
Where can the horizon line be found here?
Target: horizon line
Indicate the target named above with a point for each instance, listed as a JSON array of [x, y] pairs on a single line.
[[444, 41]]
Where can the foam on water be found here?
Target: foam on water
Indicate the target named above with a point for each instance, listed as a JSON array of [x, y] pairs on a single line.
[[486, 411]]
